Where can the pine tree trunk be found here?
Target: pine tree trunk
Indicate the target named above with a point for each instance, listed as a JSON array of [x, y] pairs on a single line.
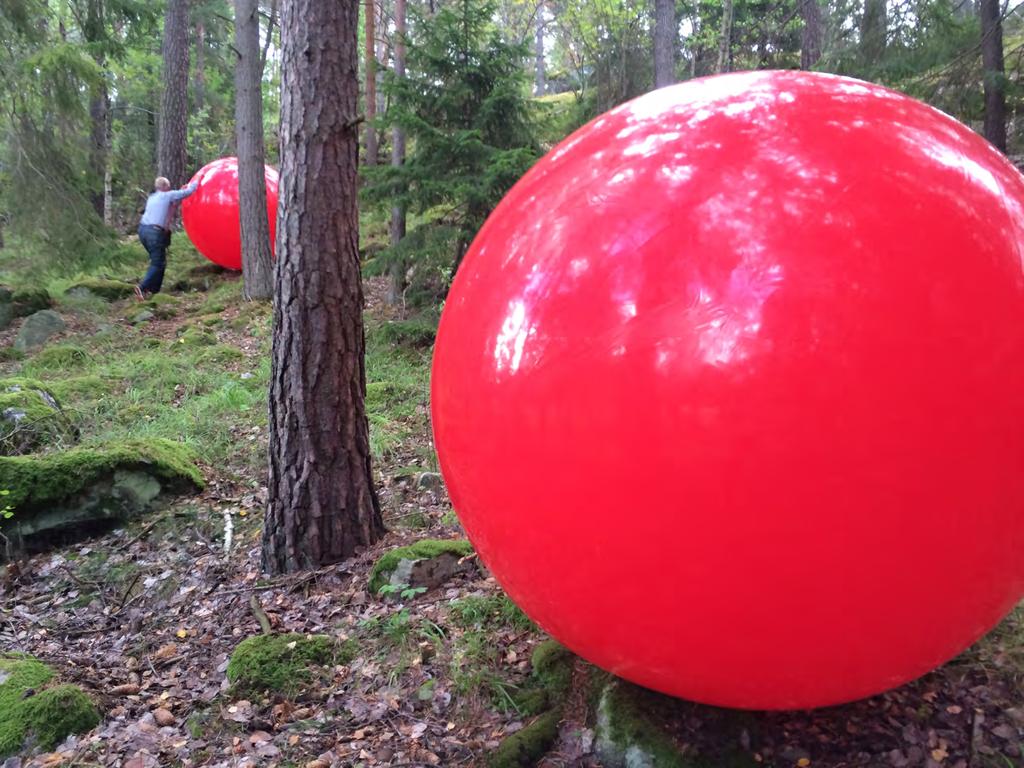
[[257, 271], [725, 38], [199, 81], [540, 75], [171, 155], [813, 32], [370, 70], [322, 503], [396, 273], [995, 75], [664, 43]]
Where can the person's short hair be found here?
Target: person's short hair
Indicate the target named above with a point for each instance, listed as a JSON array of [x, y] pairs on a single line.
[[162, 184]]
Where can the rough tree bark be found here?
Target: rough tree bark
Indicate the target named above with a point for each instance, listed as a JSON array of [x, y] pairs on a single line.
[[725, 38], [322, 503], [370, 70], [171, 154], [396, 273], [257, 271], [664, 43], [539, 69], [995, 74], [813, 32]]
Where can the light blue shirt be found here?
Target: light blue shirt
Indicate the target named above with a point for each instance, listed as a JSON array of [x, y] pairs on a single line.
[[158, 206]]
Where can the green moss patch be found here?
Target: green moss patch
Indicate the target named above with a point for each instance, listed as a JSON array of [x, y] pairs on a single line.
[[32, 713], [31, 418], [109, 290], [524, 748], [426, 549], [284, 663], [37, 480]]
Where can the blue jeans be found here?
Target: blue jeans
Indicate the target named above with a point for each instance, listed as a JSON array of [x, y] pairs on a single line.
[[155, 240]]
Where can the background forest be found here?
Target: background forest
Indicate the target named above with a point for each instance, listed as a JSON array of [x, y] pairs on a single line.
[[470, 94]]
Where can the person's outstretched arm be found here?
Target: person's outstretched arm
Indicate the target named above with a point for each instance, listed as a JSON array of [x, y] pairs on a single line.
[[181, 194]]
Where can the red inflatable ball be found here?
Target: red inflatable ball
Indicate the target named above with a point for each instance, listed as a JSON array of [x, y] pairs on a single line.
[[727, 391], [211, 216]]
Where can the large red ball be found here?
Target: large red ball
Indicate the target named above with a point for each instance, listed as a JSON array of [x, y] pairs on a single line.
[[211, 215], [728, 390]]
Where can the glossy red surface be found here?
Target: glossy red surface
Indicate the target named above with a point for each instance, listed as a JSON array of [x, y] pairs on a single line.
[[211, 216], [727, 391]]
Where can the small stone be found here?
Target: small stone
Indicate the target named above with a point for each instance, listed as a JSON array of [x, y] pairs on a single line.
[[38, 329], [163, 717], [142, 317], [430, 481]]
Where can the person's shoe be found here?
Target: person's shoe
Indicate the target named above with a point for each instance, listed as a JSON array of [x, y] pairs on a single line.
[[139, 294]]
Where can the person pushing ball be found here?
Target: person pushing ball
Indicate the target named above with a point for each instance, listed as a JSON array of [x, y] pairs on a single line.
[[155, 232]]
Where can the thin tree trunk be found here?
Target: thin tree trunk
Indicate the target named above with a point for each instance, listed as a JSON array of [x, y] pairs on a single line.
[[370, 67], [322, 503], [995, 74], [172, 157], [397, 271], [99, 147], [257, 272], [199, 80], [540, 75], [813, 32], [873, 31], [725, 38], [664, 43], [271, 22]]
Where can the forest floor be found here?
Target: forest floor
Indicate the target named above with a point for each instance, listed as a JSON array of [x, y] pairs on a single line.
[[145, 617]]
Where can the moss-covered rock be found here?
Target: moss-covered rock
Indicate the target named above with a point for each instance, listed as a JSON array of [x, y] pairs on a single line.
[[62, 490], [28, 301], [283, 663], [32, 713], [627, 737], [525, 747], [31, 418], [426, 563], [108, 290]]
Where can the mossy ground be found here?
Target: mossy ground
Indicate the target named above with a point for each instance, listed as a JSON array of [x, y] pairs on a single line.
[[283, 663], [30, 712], [109, 290], [421, 550]]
